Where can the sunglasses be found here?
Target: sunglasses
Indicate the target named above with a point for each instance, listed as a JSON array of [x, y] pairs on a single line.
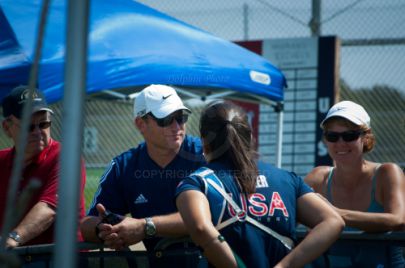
[[168, 120], [42, 125], [347, 136], [32, 127]]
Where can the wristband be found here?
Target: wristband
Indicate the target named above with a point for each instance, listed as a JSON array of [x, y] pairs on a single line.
[[220, 238]]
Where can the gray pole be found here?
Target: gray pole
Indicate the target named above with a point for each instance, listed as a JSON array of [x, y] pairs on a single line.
[[315, 22], [279, 109], [245, 22], [74, 92]]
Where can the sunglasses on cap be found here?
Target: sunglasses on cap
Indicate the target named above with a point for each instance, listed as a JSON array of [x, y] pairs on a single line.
[[347, 136], [168, 120]]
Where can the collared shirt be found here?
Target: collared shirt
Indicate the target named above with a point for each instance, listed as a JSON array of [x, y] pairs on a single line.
[[134, 183], [45, 168]]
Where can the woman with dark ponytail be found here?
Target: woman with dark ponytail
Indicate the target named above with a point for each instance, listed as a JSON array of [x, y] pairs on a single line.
[[244, 213], [230, 139]]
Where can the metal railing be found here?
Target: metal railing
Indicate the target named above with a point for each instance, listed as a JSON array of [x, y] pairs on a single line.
[[92, 255]]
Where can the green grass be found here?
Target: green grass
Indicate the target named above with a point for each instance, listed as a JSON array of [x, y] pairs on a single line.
[[92, 178]]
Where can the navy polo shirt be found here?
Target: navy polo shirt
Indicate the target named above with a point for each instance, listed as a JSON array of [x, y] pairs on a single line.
[[133, 183]]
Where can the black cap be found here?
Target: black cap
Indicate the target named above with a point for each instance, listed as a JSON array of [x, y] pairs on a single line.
[[13, 103]]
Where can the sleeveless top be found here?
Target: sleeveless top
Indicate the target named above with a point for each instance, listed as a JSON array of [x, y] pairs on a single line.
[[374, 205], [349, 254]]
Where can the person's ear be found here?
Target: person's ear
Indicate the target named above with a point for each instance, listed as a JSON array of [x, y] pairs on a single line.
[[206, 152], [6, 127], [136, 122], [140, 124]]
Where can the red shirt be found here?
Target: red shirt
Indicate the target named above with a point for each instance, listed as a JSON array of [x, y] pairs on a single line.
[[45, 167]]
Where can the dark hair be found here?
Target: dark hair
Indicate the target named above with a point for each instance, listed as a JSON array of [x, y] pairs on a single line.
[[369, 141], [227, 134]]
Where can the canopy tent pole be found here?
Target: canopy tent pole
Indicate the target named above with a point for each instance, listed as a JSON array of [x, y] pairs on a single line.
[[74, 92], [187, 93], [116, 94], [279, 109]]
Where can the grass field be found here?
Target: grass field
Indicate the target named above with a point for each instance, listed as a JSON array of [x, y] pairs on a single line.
[[92, 178]]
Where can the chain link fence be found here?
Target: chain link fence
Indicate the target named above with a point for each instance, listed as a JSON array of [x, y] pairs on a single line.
[[108, 131], [371, 67], [372, 54]]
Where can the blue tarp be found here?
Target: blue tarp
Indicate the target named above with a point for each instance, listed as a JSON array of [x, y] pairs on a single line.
[[130, 45]]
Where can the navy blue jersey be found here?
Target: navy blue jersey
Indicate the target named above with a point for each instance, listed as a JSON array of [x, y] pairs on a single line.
[[273, 204], [133, 183]]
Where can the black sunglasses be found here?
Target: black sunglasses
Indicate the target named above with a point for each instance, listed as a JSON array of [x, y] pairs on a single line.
[[32, 127], [347, 136], [41, 125], [168, 120]]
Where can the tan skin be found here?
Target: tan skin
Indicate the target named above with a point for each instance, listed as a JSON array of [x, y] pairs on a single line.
[[352, 184], [163, 144], [38, 139], [326, 223], [42, 215]]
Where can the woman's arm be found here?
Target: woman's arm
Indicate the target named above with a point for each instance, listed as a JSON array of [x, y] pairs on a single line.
[[317, 179], [390, 191], [326, 226], [194, 209]]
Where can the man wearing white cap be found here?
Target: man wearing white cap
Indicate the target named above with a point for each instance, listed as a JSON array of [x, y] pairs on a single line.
[[143, 180], [369, 196], [41, 162]]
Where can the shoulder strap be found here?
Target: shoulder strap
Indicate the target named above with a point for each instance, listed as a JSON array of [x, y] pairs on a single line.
[[374, 182], [329, 184], [240, 214]]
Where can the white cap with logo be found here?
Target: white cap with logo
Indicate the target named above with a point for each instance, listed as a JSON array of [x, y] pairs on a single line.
[[349, 110], [160, 100]]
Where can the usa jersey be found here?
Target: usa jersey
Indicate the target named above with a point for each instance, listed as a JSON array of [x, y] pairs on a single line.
[[133, 183], [273, 204]]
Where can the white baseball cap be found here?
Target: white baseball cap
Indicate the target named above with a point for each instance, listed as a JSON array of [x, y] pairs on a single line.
[[160, 100], [349, 110]]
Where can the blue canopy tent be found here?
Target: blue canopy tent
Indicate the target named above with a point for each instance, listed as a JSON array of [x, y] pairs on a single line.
[[130, 45]]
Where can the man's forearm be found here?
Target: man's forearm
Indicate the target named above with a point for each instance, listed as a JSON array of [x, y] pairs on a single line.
[[132, 230], [38, 219], [169, 225]]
